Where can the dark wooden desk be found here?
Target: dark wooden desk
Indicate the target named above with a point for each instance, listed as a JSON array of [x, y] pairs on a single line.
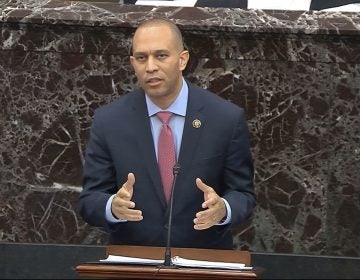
[[120, 271]]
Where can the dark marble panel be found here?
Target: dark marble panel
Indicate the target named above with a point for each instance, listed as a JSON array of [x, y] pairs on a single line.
[[295, 73], [45, 261], [271, 46], [343, 227], [46, 114], [286, 266]]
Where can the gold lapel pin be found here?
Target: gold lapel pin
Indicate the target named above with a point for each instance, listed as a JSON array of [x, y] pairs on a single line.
[[196, 123]]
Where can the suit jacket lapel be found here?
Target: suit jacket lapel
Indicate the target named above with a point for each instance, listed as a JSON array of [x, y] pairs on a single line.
[[189, 145], [145, 142], [192, 132]]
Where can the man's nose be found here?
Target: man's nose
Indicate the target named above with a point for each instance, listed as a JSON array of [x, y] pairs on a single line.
[[151, 64]]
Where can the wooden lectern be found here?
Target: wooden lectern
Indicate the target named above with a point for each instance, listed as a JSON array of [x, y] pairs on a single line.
[[132, 271]]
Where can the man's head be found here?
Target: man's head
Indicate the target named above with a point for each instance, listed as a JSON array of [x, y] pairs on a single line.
[[158, 58]]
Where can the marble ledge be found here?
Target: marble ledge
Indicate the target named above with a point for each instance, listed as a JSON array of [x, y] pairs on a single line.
[[55, 187], [94, 14]]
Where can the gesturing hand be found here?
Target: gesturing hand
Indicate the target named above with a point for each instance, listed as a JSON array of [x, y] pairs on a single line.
[[121, 206], [215, 209]]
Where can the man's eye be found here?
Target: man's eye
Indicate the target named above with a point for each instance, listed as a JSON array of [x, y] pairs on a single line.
[[140, 58], [162, 56]]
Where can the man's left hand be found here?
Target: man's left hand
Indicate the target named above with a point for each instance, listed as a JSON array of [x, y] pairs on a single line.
[[215, 209]]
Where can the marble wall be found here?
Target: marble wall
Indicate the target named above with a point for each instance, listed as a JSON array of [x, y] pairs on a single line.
[[296, 73]]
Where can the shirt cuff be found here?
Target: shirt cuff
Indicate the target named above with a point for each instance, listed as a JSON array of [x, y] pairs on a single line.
[[227, 219], [108, 214]]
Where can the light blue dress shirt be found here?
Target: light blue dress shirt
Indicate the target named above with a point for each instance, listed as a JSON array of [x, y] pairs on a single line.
[[177, 121]]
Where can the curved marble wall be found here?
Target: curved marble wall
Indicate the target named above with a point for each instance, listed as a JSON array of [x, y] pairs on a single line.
[[296, 73]]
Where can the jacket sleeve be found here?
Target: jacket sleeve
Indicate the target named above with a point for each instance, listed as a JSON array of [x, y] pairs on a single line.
[[99, 180], [239, 173]]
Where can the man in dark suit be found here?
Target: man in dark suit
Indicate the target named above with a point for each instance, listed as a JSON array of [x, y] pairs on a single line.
[[122, 186]]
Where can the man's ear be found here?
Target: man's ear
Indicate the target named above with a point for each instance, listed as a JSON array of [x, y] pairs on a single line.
[[183, 59]]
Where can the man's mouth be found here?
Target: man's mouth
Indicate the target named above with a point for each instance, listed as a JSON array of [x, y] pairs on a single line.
[[153, 81]]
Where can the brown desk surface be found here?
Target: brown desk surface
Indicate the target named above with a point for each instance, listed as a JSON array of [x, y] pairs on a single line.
[[126, 271], [154, 272]]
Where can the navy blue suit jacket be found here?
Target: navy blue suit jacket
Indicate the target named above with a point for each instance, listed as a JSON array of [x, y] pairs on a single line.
[[217, 152]]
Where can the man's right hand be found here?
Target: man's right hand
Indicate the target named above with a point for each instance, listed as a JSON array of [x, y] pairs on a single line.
[[121, 206]]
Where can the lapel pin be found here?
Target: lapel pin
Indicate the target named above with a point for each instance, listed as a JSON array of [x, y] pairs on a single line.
[[196, 123]]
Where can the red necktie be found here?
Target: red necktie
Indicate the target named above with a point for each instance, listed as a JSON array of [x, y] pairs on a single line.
[[166, 153]]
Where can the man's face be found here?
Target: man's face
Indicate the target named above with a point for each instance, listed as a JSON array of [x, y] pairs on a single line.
[[158, 61]]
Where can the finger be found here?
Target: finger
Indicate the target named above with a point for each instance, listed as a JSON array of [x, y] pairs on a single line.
[[202, 186], [210, 196], [204, 214], [123, 194], [119, 202], [130, 214], [134, 218], [203, 226], [204, 217], [207, 190], [129, 184], [200, 224], [211, 202], [123, 209], [126, 190], [204, 223]]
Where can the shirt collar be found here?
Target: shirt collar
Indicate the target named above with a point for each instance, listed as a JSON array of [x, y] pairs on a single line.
[[178, 107]]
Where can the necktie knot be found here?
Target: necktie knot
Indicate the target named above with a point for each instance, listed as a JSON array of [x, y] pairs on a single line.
[[164, 116]]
